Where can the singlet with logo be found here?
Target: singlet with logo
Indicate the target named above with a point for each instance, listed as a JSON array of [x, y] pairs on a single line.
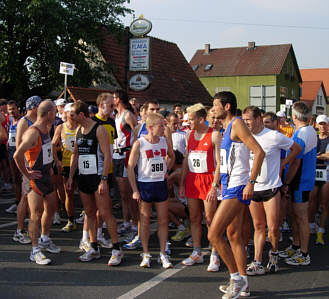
[[234, 159], [272, 142], [12, 137], [68, 140], [125, 135], [40, 157], [109, 125], [305, 175], [90, 156], [201, 164], [152, 165]]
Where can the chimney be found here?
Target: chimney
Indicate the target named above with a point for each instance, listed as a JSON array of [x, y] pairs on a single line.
[[207, 49], [251, 45]]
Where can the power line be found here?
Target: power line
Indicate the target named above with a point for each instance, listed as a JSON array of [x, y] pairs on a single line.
[[245, 24]]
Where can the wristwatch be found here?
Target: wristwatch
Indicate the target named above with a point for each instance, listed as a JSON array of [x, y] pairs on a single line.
[[253, 182], [215, 185], [104, 178]]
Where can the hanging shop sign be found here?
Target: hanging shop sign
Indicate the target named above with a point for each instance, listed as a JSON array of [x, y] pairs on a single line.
[[140, 27], [139, 54], [139, 82]]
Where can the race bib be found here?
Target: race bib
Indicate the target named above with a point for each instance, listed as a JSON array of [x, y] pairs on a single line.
[[87, 164], [157, 168], [321, 175], [69, 143], [223, 162], [197, 162], [47, 153], [12, 139]]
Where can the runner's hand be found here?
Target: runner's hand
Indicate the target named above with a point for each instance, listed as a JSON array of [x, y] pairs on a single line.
[[212, 194], [248, 192], [102, 187], [69, 184], [137, 196], [181, 191]]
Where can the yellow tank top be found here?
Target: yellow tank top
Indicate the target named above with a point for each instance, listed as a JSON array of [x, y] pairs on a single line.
[[68, 139]]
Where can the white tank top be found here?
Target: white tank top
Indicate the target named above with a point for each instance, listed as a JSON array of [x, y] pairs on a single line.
[[152, 165], [125, 135]]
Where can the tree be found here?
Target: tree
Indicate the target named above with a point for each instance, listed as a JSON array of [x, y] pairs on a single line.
[[36, 35]]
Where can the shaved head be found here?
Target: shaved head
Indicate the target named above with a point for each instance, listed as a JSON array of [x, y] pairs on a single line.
[[45, 107]]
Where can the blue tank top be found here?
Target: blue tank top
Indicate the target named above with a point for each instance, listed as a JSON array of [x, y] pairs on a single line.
[[142, 130]]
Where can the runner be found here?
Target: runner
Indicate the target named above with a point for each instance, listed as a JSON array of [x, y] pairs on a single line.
[[200, 180], [37, 149], [265, 204], [237, 190], [300, 178], [149, 153], [92, 157], [178, 136]]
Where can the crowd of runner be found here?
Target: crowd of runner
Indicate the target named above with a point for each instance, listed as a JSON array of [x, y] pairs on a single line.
[[243, 174]]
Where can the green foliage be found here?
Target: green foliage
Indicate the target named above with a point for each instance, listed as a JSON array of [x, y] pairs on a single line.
[[36, 35]]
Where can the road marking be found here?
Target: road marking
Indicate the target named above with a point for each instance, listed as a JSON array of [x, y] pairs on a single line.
[[147, 285], [11, 223]]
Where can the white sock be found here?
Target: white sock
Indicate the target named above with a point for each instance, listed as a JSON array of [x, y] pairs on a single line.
[[99, 232], [34, 249], [235, 276], [18, 231], [85, 236], [214, 252], [44, 238], [245, 278]]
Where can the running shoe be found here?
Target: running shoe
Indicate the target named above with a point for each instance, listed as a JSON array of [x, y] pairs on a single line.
[[49, 246], [195, 257], [123, 229], [214, 263], [69, 227], [236, 287], [272, 265], [223, 288], [299, 260], [288, 252], [134, 244], [163, 259], [90, 255], [255, 269], [189, 242], [84, 245], [129, 237], [103, 242], [81, 219], [22, 238], [146, 261], [319, 239], [12, 209], [38, 257], [116, 257], [168, 249], [181, 235], [56, 219]]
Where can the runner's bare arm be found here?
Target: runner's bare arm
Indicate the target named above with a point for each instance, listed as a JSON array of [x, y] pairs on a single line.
[[55, 141], [104, 143], [171, 155], [3, 133], [136, 130], [184, 170], [292, 170], [133, 159], [73, 165], [21, 128], [294, 152], [131, 120]]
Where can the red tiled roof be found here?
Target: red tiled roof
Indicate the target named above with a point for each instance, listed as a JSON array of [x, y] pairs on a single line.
[[172, 79], [243, 61], [84, 94], [310, 90], [321, 74]]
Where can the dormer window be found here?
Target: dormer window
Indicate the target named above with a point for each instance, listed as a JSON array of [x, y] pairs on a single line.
[[195, 67], [208, 67]]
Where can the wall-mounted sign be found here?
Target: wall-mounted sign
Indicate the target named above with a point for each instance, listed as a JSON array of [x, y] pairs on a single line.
[[139, 82], [140, 27], [139, 58], [289, 102], [66, 68]]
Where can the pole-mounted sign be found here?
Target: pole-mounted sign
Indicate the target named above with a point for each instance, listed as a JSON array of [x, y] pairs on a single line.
[[66, 69]]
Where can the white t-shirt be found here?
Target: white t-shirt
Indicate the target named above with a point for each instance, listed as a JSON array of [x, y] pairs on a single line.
[[272, 142], [179, 141]]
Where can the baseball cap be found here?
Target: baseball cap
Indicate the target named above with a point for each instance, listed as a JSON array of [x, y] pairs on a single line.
[[60, 102], [322, 119], [32, 102], [68, 107], [280, 114]]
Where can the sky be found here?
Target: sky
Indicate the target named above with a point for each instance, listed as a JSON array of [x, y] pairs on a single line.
[[193, 23]]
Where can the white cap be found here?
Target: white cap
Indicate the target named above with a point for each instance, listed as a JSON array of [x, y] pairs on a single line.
[[322, 119], [280, 114], [60, 102], [68, 107], [185, 117]]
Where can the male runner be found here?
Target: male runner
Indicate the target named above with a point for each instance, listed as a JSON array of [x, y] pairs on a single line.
[[237, 190], [37, 149], [265, 204], [149, 153], [199, 180], [92, 157]]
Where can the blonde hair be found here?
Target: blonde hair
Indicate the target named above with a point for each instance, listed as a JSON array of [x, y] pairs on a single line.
[[153, 118], [198, 109], [103, 96]]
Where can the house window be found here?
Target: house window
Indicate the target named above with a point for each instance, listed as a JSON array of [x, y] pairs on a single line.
[[195, 67], [263, 97], [208, 67], [320, 100], [219, 89]]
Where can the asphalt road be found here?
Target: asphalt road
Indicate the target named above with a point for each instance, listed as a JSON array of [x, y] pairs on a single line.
[[66, 277]]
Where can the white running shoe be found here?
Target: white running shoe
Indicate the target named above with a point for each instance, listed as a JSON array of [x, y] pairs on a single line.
[[146, 261], [195, 257], [38, 257], [90, 255], [22, 238], [164, 260], [49, 246], [224, 287], [235, 289], [12, 209], [56, 219], [105, 243], [255, 269], [81, 219], [116, 257], [214, 263], [84, 245]]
